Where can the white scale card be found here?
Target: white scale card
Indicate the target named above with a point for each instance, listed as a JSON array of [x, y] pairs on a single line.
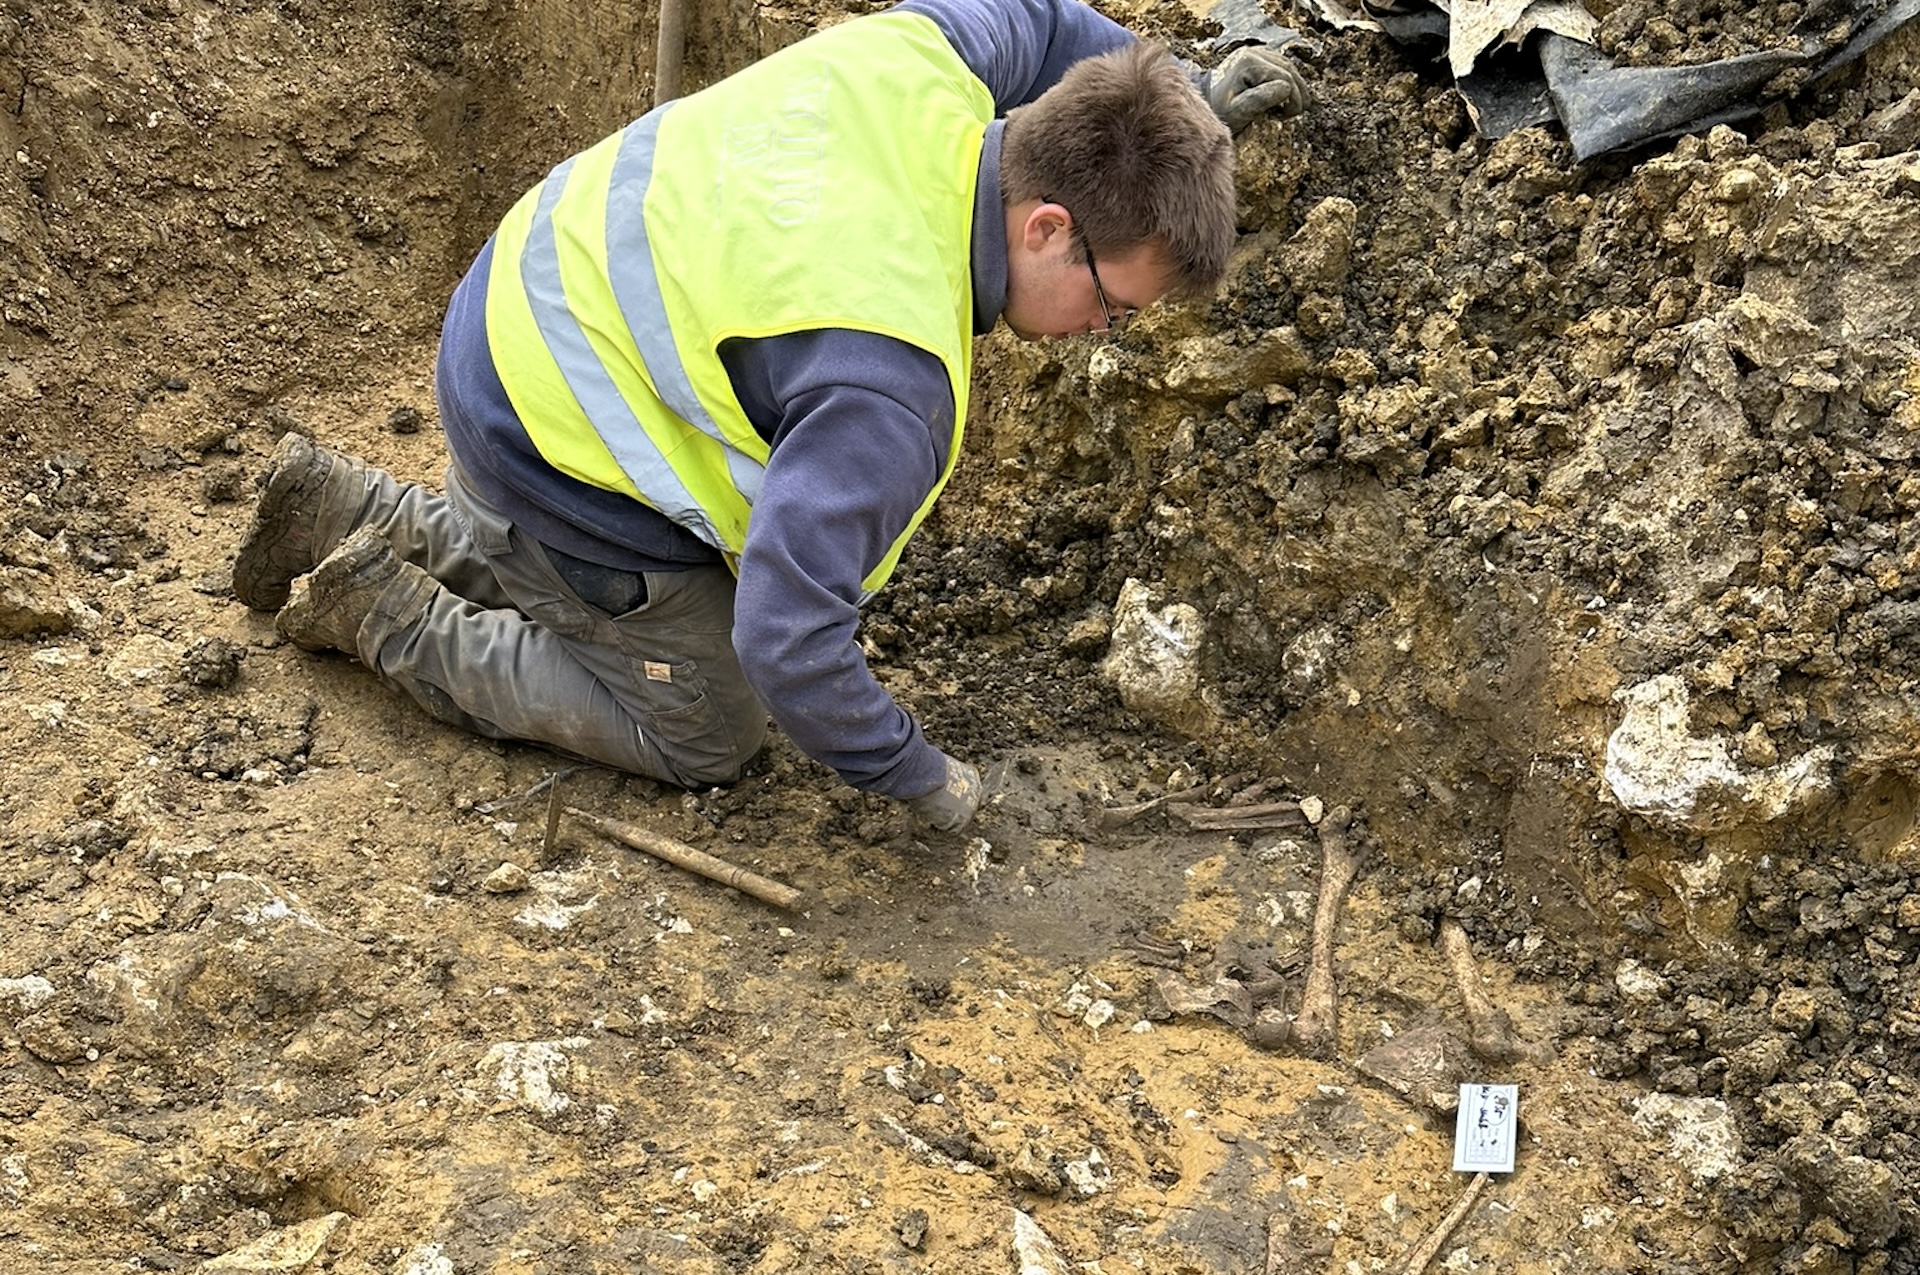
[[1486, 1129]]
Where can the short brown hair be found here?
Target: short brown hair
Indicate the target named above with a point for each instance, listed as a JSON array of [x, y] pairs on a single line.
[[1127, 145]]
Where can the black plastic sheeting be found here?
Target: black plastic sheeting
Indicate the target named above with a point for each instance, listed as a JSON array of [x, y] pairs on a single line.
[[1605, 107], [1244, 21]]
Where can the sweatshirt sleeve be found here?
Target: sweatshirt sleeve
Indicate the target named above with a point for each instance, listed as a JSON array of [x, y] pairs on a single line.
[[865, 423], [1021, 48]]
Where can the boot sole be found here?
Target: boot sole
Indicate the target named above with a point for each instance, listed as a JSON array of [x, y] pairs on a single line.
[[265, 567], [353, 566]]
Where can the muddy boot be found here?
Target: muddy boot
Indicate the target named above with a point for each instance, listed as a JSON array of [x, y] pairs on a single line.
[[328, 605], [281, 543]]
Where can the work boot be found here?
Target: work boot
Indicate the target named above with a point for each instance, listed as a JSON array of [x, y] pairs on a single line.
[[281, 542], [327, 606]]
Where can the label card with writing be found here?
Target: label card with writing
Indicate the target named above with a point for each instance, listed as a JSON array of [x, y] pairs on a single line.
[[1486, 1129]]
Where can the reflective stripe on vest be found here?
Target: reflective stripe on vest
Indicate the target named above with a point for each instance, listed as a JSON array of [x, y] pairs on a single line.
[[830, 185]]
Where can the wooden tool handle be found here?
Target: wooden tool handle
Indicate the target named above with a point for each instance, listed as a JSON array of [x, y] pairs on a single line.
[[682, 855]]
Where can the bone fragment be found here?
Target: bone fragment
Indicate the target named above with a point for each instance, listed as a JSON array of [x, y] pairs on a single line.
[[1225, 999], [1033, 1249], [1112, 817], [1490, 1029], [1315, 1029], [1273, 814], [1418, 1260]]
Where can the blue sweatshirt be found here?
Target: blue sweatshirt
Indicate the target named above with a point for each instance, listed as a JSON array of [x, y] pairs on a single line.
[[859, 426]]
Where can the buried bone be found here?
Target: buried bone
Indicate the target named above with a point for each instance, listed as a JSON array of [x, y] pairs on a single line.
[[1247, 995], [1315, 1028], [1242, 990], [1491, 1035]]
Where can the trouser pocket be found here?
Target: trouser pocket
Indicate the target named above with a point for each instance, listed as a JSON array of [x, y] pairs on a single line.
[[689, 725], [521, 567], [607, 588], [490, 529], [667, 661]]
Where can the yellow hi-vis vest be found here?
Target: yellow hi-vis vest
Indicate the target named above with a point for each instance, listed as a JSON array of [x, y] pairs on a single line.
[[829, 186]]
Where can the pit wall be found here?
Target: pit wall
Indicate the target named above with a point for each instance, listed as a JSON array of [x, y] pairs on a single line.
[[1561, 517], [264, 201]]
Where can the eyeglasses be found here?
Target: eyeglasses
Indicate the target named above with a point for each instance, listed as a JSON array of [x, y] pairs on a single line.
[[1115, 322]]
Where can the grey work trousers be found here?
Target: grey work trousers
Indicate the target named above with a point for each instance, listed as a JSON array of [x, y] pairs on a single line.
[[499, 642]]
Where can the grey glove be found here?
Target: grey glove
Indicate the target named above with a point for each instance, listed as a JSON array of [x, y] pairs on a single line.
[[1253, 81], [950, 807]]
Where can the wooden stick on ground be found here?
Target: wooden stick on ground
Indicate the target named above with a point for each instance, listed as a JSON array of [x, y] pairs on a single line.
[[699, 862], [1418, 1260]]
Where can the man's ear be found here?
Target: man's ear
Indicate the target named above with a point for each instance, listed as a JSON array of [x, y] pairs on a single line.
[[1044, 223]]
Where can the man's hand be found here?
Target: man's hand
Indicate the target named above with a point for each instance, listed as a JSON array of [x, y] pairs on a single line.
[[1253, 81], [950, 807]]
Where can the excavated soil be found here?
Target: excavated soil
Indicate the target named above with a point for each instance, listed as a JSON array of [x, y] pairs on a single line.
[[1554, 522]]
